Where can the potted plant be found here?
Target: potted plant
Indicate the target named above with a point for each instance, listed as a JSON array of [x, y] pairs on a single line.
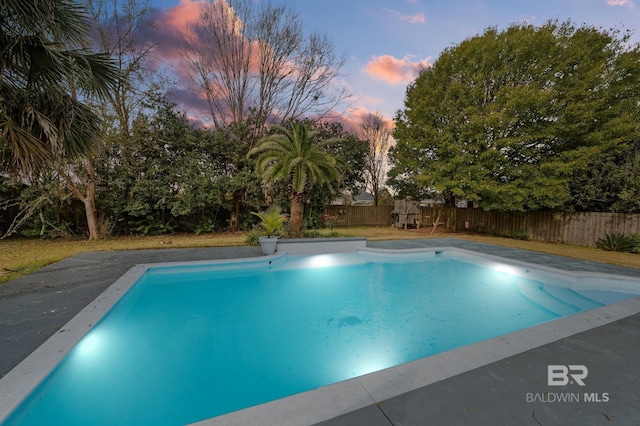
[[272, 221]]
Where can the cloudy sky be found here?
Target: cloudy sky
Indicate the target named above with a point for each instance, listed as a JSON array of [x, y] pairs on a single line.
[[388, 41]]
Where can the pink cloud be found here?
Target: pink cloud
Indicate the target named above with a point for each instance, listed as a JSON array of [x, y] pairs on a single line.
[[418, 18], [184, 24], [394, 70], [178, 17], [172, 24], [351, 120], [620, 3], [413, 19], [176, 23], [361, 113]]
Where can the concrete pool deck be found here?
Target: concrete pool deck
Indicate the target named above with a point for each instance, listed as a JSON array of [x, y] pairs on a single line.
[[511, 390]]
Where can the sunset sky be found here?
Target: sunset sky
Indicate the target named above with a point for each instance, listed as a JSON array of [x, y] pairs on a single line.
[[388, 41]]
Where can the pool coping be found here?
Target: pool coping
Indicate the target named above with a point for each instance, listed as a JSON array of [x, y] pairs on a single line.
[[311, 246], [333, 400]]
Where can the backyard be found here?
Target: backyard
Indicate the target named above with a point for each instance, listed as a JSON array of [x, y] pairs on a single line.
[[22, 256]]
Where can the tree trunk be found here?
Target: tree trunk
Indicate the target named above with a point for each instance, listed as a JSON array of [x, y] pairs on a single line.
[[297, 211], [376, 192], [238, 196], [88, 199], [90, 202], [92, 218]]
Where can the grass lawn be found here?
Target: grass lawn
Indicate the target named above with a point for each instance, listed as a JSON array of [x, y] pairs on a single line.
[[23, 256]]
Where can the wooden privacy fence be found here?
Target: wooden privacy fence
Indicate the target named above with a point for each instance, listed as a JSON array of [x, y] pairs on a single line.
[[361, 215], [558, 227], [551, 226]]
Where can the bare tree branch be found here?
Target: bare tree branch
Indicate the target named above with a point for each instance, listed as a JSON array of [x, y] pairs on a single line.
[[377, 133], [256, 61]]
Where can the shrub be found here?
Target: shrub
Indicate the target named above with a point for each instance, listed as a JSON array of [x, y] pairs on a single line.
[[520, 234], [253, 237], [272, 220], [492, 232], [317, 234], [311, 233], [617, 242], [636, 243], [206, 226]]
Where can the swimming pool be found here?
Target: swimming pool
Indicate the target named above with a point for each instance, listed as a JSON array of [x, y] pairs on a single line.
[[316, 279]]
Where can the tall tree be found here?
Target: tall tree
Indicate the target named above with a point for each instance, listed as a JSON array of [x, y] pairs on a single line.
[[611, 180], [46, 72], [127, 32], [349, 152], [294, 157], [43, 69], [255, 65], [347, 149], [123, 30], [255, 61], [377, 134], [505, 118]]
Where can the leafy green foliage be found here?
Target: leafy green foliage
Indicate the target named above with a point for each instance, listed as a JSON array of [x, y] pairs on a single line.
[[617, 242], [44, 209], [636, 243], [44, 66], [167, 176], [350, 154], [520, 234], [253, 237], [506, 118], [294, 157], [271, 219], [314, 233], [610, 182]]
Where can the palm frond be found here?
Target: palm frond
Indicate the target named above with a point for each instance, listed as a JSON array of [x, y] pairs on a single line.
[[293, 155], [20, 149], [43, 68]]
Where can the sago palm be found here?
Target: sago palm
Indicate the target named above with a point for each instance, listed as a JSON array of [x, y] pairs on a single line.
[[45, 73], [293, 156]]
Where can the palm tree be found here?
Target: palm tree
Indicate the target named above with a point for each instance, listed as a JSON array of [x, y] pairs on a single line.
[[44, 72], [293, 156]]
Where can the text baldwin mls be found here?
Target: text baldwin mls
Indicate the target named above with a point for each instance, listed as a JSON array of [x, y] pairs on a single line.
[[567, 397], [563, 375]]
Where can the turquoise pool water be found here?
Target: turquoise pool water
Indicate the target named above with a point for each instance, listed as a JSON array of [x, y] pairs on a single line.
[[188, 343]]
